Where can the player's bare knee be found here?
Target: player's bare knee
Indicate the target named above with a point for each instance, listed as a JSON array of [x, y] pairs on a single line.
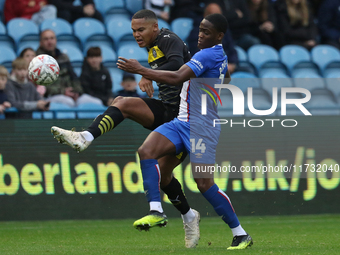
[[117, 100], [203, 184], [145, 153]]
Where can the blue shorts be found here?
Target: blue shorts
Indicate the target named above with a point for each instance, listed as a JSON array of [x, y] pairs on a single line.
[[200, 144]]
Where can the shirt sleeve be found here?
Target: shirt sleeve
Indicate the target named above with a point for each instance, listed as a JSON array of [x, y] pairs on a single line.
[[199, 62]]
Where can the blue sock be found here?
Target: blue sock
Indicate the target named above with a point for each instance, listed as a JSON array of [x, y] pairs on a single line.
[[151, 179], [222, 205]]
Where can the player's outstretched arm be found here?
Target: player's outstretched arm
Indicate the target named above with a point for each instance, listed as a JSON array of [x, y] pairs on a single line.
[[169, 77]]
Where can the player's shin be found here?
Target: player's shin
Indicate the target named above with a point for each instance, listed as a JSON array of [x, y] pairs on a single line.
[[222, 205], [106, 121], [151, 182]]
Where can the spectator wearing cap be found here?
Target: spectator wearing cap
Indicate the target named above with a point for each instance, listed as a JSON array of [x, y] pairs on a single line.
[[95, 78], [129, 85]]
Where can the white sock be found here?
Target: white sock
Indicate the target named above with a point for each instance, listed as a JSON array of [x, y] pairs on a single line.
[[238, 231], [88, 136], [189, 216], [156, 206]]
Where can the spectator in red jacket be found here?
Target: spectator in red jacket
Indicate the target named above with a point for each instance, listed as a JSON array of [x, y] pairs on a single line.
[[37, 10]]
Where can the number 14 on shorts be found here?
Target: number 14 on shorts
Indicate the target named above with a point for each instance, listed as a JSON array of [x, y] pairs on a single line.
[[197, 146]]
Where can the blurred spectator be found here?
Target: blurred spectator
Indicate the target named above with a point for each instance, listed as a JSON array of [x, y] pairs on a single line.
[[238, 16], [263, 23], [129, 85], [160, 7], [296, 23], [28, 54], [315, 6], [329, 22], [36, 10], [227, 42], [67, 89], [70, 12], [4, 103], [95, 78], [187, 8], [21, 92]]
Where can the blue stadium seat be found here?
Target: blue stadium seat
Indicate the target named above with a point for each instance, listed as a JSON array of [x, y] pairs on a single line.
[[273, 74], [2, 5], [269, 83], [58, 25], [309, 83], [74, 53], [7, 55], [4, 38], [133, 51], [117, 28], [260, 100], [62, 29], [182, 27], [332, 73], [333, 85], [324, 55], [102, 45], [143, 94], [241, 53], [117, 77], [108, 17], [109, 56], [261, 54], [22, 29], [163, 23], [305, 73], [84, 28], [62, 111], [134, 5], [23, 45], [244, 83], [291, 55], [322, 102], [89, 110], [242, 75], [110, 6]]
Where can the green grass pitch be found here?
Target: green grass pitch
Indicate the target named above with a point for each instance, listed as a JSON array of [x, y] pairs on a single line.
[[307, 234]]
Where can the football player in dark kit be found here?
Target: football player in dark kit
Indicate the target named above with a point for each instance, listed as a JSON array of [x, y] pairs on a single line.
[[166, 52]]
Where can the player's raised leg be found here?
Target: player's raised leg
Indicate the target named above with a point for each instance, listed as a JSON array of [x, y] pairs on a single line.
[[121, 108]]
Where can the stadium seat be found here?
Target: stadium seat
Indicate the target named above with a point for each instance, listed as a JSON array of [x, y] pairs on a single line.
[[74, 53], [62, 29], [108, 17], [84, 28], [244, 83], [242, 75], [333, 85], [22, 29], [134, 5], [117, 28], [305, 73], [291, 55], [23, 45], [109, 56], [269, 83], [163, 23], [89, 110], [143, 94], [324, 55], [116, 77], [133, 51], [332, 73], [182, 27], [260, 100], [58, 25], [110, 6], [273, 74], [322, 102], [309, 83], [261, 54], [62, 111], [7, 55], [241, 53]]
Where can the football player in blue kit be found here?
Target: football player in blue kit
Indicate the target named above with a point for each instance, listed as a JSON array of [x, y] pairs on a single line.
[[175, 136]]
